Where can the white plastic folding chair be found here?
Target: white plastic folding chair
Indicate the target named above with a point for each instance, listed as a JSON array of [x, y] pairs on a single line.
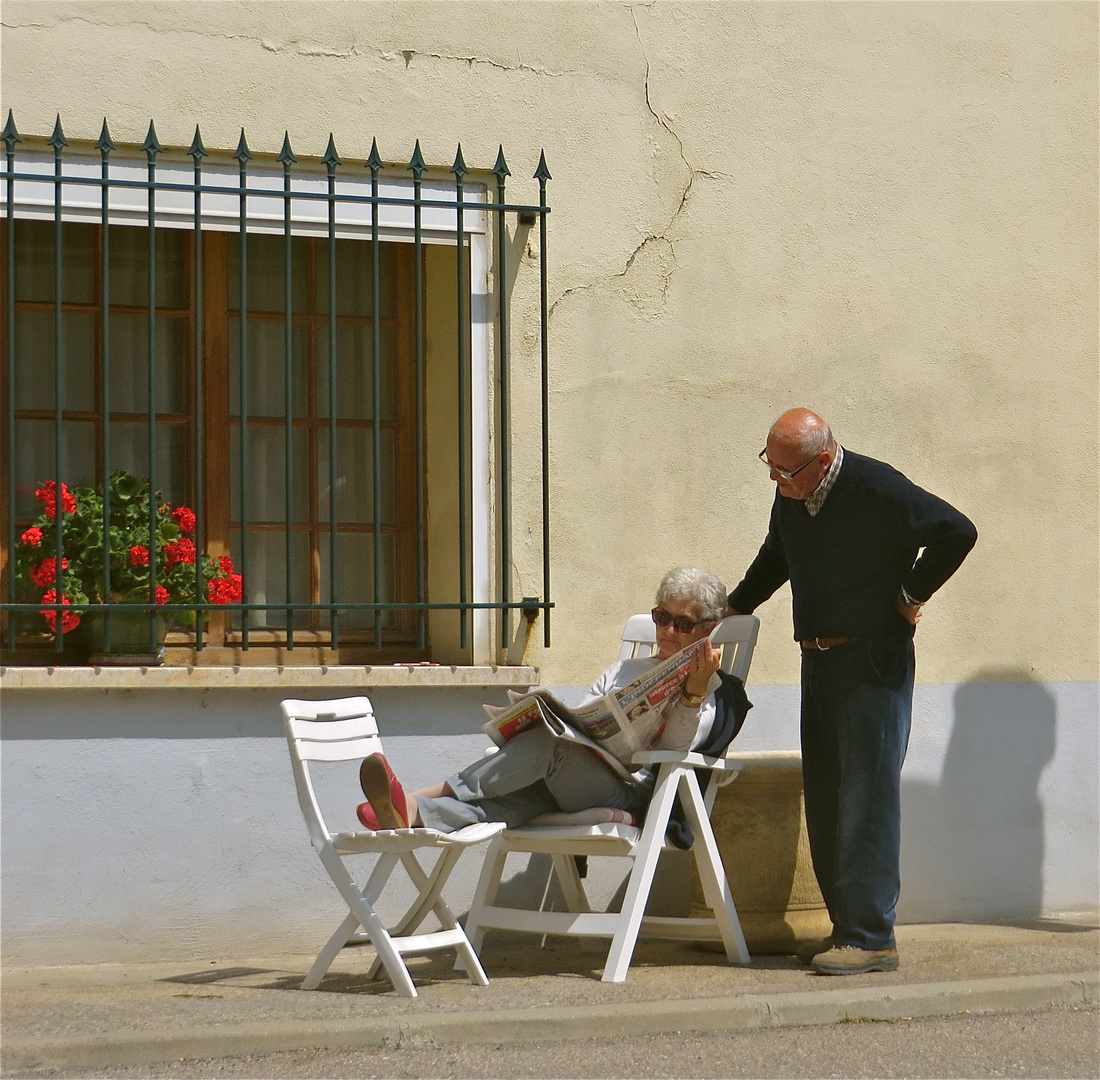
[[344, 730], [675, 773]]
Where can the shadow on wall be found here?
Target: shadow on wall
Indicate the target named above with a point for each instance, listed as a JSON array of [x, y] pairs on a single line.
[[972, 845]]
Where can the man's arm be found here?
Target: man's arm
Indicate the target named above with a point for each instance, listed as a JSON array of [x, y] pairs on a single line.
[[945, 534], [766, 574]]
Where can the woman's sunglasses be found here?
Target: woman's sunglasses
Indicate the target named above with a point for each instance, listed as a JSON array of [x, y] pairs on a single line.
[[681, 625]]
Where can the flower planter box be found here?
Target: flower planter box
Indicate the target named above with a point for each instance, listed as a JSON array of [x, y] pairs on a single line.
[[136, 638]]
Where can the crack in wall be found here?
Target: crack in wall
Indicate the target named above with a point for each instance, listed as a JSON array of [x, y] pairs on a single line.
[[293, 45], [407, 56], [662, 123], [470, 61], [692, 174]]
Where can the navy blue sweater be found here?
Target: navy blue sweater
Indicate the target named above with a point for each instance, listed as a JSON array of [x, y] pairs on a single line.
[[847, 564]]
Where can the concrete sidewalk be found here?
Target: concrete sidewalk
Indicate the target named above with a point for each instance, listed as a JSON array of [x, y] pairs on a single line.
[[140, 1014]]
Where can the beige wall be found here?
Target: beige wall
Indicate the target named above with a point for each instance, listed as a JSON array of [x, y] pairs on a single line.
[[884, 211]]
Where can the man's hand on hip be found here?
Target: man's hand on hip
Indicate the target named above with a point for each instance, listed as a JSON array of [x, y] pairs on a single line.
[[911, 614]]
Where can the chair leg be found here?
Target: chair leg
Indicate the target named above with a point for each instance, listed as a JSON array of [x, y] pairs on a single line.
[[569, 880], [430, 887], [712, 874], [346, 930], [648, 851], [485, 895], [469, 962], [363, 911], [576, 899], [329, 953], [467, 959]]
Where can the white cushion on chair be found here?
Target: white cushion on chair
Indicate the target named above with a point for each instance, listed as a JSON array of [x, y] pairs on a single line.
[[594, 815]]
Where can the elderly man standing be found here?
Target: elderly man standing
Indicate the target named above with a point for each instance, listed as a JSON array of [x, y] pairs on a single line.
[[847, 531]]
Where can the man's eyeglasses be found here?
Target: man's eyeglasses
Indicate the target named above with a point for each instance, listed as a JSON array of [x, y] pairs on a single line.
[[785, 473], [681, 625]]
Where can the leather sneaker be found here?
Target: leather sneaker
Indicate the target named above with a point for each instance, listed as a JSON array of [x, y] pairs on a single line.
[[852, 960], [809, 949]]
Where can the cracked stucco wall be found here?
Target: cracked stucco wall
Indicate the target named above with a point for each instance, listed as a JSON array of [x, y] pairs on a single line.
[[883, 211]]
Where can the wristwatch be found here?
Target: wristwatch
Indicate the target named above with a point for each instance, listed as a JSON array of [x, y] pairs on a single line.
[[692, 701]]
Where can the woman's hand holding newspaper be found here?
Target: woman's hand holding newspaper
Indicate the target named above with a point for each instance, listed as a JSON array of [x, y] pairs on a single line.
[[703, 665]]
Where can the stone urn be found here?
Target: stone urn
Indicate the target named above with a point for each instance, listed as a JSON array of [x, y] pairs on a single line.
[[760, 825]]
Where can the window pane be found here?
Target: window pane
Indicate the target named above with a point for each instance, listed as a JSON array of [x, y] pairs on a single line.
[[34, 360], [34, 460], [129, 284], [265, 580], [130, 451], [266, 273], [355, 476], [125, 441], [34, 262], [129, 367], [355, 372], [267, 368], [354, 278], [266, 474], [355, 577]]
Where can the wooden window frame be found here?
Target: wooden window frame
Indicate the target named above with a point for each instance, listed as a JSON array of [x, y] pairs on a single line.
[[222, 644]]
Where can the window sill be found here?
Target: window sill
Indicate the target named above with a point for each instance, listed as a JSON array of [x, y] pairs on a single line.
[[342, 678]]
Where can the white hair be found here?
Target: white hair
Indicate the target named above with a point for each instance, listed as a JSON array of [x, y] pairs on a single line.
[[811, 439], [701, 587]]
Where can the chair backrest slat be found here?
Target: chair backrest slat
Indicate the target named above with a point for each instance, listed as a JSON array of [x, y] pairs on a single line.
[[338, 730], [346, 750], [333, 709], [319, 740]]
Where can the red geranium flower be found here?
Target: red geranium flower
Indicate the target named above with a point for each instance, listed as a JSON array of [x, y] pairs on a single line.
[[179, 551], [47, 496], [139, 556], [68, 621], [45, 573], [226, 590], [226, 563], [184, 517], [162, 595], [32, 537]]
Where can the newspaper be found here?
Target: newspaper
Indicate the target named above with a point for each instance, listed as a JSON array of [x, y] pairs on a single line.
[[617, 725]]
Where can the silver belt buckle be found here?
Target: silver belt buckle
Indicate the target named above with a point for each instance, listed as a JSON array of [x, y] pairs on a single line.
[[819, 646]]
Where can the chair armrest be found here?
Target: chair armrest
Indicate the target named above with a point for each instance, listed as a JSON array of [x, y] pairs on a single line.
[[686, 757]]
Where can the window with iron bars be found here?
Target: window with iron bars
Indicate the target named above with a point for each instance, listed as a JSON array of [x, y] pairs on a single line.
[[339, 465]]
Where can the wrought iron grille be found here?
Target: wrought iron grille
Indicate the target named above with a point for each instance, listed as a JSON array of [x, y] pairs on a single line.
[[311, 204]]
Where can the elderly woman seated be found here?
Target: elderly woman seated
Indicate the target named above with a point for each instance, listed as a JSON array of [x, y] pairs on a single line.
[[536, 774]]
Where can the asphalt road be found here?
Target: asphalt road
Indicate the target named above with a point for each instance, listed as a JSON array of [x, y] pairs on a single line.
[[1058, 1042]]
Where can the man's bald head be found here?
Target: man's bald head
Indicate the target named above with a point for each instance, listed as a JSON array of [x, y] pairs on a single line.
[[801, 443], [802, 431]]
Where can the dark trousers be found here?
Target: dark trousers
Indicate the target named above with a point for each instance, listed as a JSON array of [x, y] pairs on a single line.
[[857, 704]]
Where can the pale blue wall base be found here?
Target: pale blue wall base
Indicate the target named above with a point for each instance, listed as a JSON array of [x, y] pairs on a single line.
[[140, 826]]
